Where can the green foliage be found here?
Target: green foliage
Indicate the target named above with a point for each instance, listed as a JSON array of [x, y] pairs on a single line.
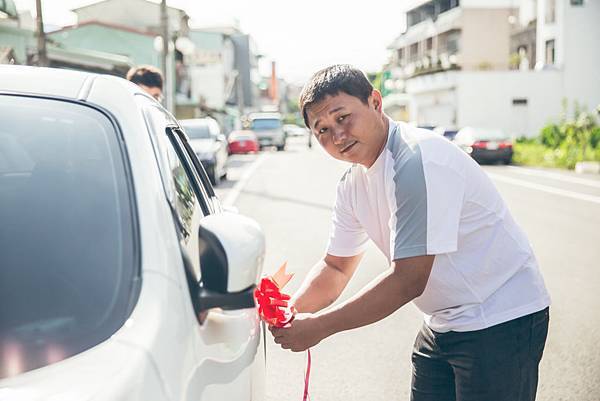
[[572, 140], [552, 136]]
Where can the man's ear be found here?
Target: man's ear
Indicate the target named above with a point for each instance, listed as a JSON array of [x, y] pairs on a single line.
[[377, 99]]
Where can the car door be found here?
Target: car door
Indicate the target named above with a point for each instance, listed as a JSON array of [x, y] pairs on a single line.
[[228, 352]]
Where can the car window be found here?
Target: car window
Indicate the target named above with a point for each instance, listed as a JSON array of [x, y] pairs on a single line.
[[198, 131], [193, 159], [489, 135], [159, 123], [188, 197], [186, 204], [68, 264], [260, 124]]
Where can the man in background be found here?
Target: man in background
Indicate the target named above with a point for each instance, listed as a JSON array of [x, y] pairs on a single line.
[[148, 78]]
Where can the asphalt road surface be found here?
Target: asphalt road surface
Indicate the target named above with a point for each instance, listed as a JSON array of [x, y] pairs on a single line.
[[291, 194]]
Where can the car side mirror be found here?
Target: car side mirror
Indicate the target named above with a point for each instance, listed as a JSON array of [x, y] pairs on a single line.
[[231, 251]]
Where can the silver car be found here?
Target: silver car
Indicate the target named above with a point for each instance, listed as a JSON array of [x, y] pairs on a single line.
[[209, 144], [268, 128]]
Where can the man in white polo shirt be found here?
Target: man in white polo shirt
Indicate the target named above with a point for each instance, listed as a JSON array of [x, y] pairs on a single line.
[[452, 245]]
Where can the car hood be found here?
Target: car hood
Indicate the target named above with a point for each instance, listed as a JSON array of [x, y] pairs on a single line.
[[109, 371], [203, 145]]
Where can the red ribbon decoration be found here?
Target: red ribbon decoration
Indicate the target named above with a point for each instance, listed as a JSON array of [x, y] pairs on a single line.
[[274, 309]]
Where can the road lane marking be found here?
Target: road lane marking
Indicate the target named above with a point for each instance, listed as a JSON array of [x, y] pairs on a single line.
[[237, 188], [556, 176], [546, 188]]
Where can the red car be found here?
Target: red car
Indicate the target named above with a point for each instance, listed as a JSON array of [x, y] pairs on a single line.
[[243, 142]]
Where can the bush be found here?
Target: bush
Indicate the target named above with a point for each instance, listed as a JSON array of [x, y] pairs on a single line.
[[562, 145], [552, 136], [595, 138]]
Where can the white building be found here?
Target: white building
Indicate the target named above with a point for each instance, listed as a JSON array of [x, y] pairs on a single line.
[[568, 40], [456, 63], [211, 68], [141, 14]]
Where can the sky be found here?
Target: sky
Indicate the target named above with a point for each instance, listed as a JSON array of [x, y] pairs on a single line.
[[302, 36]]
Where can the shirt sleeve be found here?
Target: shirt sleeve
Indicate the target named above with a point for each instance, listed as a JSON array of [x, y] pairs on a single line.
[[347, 236], [425, 208]]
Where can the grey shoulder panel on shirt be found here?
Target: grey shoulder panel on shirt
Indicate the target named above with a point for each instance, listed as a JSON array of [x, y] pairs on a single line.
[[410, 189], [346, 174]]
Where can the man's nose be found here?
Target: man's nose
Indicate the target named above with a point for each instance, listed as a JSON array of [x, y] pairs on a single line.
[[339, 135]]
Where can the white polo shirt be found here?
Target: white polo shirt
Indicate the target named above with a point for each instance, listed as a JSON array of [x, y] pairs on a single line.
[[424, 196]]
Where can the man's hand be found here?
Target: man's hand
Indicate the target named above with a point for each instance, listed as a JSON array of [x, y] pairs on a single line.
[[304, 332]]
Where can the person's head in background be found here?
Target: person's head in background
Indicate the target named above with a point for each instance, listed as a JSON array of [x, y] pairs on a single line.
[[148, 78]]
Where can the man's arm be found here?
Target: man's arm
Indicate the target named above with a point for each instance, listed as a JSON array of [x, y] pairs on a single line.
[[403, 282], [325, 282]]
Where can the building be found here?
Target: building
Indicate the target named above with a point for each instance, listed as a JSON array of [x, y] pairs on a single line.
[[142, 15], [18, 45], [471, 62], [567, 41]]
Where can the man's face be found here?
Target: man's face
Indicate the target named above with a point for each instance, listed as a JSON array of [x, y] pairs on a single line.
[[153, 91], [348, 129]]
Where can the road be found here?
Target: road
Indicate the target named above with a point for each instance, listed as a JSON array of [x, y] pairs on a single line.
[[291, 193]]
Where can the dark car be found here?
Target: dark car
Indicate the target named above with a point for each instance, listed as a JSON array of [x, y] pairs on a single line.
[[209, 144], [485, 145]]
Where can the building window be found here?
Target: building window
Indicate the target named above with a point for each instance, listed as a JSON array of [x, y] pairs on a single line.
[[519, 102], [576, 2], [452, 46], [550, 11], [401, 55], [550, 52], [413, 52]]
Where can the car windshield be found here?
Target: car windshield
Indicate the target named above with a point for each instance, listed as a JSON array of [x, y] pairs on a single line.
[[489, 135], [197, 131], [66, 233], [261, 124]]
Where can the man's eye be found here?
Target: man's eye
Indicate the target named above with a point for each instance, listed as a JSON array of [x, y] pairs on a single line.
[[341, 118], [322, 130]]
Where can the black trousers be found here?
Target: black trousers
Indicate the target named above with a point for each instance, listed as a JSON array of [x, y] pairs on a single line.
[[499, 363]]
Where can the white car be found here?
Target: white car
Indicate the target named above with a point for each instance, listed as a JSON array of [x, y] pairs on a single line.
[[209, 144], [121, 277]]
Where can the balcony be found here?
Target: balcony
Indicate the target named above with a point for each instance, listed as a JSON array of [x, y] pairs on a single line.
[[432, 55], [429, 11]]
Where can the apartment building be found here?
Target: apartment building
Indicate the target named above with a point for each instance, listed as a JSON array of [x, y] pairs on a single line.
[[504, 64], [445, 35], [568, 35]]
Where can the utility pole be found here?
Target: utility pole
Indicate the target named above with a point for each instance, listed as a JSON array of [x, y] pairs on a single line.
[[239, 86], [41, 35], [164, 24]]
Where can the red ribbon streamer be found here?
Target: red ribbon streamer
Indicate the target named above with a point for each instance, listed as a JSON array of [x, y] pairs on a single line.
[[274, 309], [306, 377]]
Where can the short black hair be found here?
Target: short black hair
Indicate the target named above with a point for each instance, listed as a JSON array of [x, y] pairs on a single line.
[[146, 75], [331, 81]]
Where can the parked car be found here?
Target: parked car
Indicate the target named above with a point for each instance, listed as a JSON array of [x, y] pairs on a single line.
[[209, 144], [121, 277], [268, 127], [485, 145], [243, 142]]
